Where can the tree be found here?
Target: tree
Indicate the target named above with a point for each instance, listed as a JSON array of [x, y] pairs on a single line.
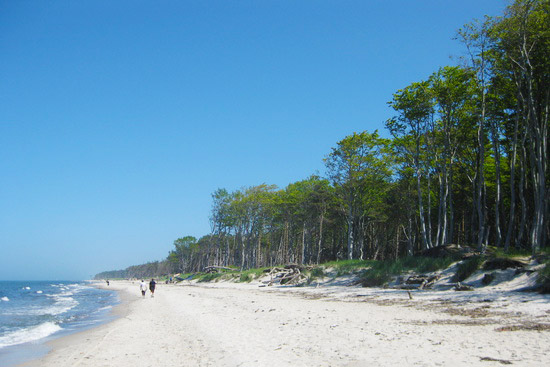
[[359, 163], [409, 129]]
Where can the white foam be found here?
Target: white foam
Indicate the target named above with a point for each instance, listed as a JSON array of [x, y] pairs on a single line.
[[39, 292], [28, 335], [5, 299], [62, 305], [27, 288]]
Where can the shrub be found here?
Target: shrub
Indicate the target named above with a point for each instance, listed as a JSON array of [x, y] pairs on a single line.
[[344, 267], [209, 277], [381, 272], [317, 272], [245, 278], [468, 267], [543, 278], [375, 278], [424, 264]]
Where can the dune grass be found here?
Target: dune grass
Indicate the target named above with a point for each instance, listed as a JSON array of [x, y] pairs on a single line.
[[381, 272], [468, 267]]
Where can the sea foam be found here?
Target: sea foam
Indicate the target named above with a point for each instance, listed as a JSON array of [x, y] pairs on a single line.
[[30, 334], [5, 299]]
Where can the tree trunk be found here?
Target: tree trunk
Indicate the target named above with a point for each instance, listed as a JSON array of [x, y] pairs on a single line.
[[321, 220], [512, 212], [350, 229]]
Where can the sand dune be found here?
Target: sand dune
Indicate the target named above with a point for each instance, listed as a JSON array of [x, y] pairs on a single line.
[[227, 324]]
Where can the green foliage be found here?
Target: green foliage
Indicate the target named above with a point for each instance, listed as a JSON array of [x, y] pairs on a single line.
[[543, 278], [381, 272], [344, 267], [251, 274], [209, 277], [245, 278], [424, 264], [511, 253], [317, 272], [375, 278], [468, 267]]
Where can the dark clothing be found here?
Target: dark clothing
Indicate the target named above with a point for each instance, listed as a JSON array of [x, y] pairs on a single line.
[[152, 285]]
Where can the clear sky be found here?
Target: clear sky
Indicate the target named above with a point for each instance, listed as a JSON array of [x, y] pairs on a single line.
[[118, 119]]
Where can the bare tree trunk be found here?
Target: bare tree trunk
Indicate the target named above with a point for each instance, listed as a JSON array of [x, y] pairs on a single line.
[[496, 146], [481, 179], [429, 219], [425, 243], [451, 235], [321, 220], [512, 187], [350, 229], [523, 201], [259, 249], [303, 248]]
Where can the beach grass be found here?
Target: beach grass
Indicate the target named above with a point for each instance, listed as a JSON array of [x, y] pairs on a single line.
[[468, 267], [381, 272]]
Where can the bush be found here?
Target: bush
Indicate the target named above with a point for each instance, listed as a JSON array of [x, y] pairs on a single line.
[[424, 264], [209, 277], [543, 278], [375, 278], [381, 272], [245, 278], [317, 272], [344, 267], [468, 267]]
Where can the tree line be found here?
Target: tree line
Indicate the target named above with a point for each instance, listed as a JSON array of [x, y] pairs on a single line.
[[466, 163]]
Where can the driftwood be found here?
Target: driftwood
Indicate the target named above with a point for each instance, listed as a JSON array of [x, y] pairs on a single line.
[[421, 281], [215, 269], [463, 287], [289, 274]]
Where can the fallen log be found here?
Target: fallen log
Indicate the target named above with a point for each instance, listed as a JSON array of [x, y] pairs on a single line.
[[215, 269]]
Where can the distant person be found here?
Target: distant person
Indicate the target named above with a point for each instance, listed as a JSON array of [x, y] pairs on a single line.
[[107, 281], [152, 285], [143, 288]]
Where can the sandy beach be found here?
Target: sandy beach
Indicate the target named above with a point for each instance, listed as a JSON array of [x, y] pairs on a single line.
[[229, 324]]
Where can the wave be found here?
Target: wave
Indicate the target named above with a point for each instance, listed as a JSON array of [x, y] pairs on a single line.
[[30, 334], [62, 305], [5, 299]]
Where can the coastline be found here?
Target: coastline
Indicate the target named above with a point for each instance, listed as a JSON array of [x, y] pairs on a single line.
[[229, 324], [52, 343]]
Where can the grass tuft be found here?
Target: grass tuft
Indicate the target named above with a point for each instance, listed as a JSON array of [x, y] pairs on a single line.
[[381, 272], [345, 267], [209, 277], [468, 267]]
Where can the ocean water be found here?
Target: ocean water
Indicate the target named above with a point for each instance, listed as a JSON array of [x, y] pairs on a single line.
[[32, 312]]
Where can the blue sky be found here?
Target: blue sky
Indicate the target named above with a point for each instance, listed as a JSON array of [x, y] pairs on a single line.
[[118, 119]]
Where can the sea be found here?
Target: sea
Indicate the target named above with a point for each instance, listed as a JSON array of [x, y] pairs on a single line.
[[34, 312]]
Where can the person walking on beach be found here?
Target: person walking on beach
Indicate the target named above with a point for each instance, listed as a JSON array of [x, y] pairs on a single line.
[[152, 285], [143, 288]]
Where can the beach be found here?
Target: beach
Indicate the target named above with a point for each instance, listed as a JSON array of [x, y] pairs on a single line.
[[232, 324]]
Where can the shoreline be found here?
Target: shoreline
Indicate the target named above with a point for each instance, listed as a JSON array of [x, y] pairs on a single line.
[[40, 349], [228, 324], [118, 311]]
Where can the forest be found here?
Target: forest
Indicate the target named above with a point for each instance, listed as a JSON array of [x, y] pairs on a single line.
[[465, 163]]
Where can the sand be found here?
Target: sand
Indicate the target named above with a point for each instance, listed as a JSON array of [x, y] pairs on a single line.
[[228, 324]]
